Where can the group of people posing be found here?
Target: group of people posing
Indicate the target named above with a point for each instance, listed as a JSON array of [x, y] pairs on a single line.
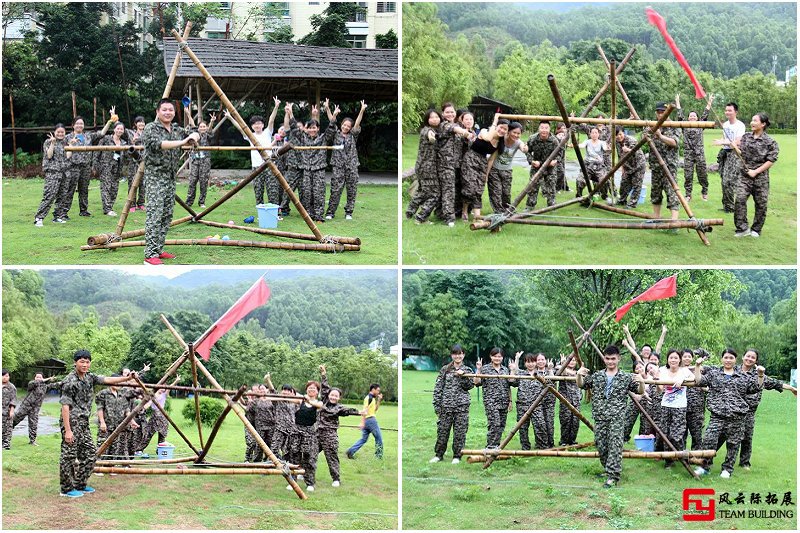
[[677, 404], [163, 142], [296, 430], [456, 161]]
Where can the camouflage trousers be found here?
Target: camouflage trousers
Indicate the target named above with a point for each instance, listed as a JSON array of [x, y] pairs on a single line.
[[673, 424], [328, 440], [547, 182], [631, 185], [294, 177], [495, 423], [314, 182], [343, 177], [747, 439], [77, 459], [139, 200], [524, 439], [473, 175], [659, 186], [694, 160], [117, 448], [156, 425], [568, 422], [266, 436], [160, 200], [631, 415], [109, 185], [55, 183], [458, 204], [77, 178], [458, 420], [695, 418], [305, 449], [728, 430], [33, 420], [758, 188], [608, 435], [281, 441], [597, 171], [499, 185], [249, 447], [561, 176], [731, 174], [199, 173], [425, 199], [447, 191], [546, 435], [8, 429]]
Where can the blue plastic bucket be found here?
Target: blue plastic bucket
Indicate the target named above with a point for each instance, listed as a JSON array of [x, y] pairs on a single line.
[[165, 450], [267, 216], [645, 444], [642, 195]]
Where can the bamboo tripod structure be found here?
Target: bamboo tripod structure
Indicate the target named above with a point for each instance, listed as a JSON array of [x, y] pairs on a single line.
[[322, 243], [701, 226], [199, 466]]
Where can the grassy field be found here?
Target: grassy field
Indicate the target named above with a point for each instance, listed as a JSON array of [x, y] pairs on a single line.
[[374, 221], [560, 493], [523, 245], [367, 498]]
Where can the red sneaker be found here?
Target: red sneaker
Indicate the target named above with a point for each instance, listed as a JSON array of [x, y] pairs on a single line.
[[153, 261], [166, 255], [132, 209]]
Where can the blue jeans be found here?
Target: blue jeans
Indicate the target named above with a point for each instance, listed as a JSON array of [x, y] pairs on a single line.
[[370, 428]]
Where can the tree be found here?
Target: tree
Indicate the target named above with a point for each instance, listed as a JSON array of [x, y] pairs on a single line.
[[330, 27], [386, 40], [439, 323], [109, 344], [29, 332]]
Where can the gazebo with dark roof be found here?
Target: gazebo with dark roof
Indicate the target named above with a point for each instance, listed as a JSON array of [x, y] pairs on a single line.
[[260, 70]]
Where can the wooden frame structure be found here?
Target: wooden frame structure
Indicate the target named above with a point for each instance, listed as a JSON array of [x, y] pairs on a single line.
[[702, 226], [199, 465], [321, 243]]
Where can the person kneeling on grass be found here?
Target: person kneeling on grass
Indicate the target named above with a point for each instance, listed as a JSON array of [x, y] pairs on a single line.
[[77, 447], [609, 400], [369, 423], [451, 401]]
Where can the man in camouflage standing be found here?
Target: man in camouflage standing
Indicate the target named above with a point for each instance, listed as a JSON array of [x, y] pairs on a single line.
[[77, 447], [666, 142], [112, 408], [496, 396], [162, 142], [539, 148], [632, 170], [451, 401], [610, 389], [9, 403], [32, 403]]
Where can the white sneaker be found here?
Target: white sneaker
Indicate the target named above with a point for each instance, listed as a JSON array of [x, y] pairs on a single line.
[[310, 488], [700, 471], [99, 474], [300, 477], [754, 234], [59, 221], [725, 474], [435, 459], [348, 217], [202, 206], [745, 233], [328, 217], [38, 223], [451, 224], [111, 213], [455, 461], [335, 484], [289, 487], [112, 474]]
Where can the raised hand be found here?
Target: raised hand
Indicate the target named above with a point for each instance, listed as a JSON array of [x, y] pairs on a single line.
[[336, 110], [363, 105], [51, 137], [327, 103], [277, 102]]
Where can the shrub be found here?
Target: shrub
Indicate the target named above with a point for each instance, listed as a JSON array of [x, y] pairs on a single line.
[[210, 409]]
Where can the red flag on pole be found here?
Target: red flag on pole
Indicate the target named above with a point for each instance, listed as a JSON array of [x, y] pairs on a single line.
[[666, 288], [658, 21], [256, 296]]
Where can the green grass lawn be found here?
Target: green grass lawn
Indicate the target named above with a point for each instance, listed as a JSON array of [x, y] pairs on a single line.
[[367, 498], [521, 245], [563, 493], [374, 221]]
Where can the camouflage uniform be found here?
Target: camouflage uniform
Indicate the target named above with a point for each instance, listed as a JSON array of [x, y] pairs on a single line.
[[129, 437], [249, 440], [294, 173], [695, 416], [264, 424], [9, 400], [304, 447], [79, 173], [694, 155], [426, 170], [731, 173], [328, 427], [528, 391], [496, 397], [131, 162], [111, 167], [451, 401], [500, 179], [199, 171], [568, 422], [539, 150], [275, 192], [160, 167], [77, 459], [750, 419], [313, 163], [656, 412], [561, 174], [345, 172], [608, 406], [137, 438], [460, 151], [473, 172], [659, 182], [633, 173], [30, 406], [284, 428], [631, 415], [157, 423], [727, 402], [756, 152], [447, 160], [55, 178], [115, 409]]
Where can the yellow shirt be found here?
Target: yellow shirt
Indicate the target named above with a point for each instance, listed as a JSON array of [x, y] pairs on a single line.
[[370, 405]]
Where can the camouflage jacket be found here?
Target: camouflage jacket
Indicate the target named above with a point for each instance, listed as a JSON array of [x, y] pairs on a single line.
[[9, 397], [496, 391], [693, 137], [758, 150], [328, 416], [605, 132], [284, 416], [426, 154], [727, 394], [313, 159], [84, 139], [59, 160], [695, 399], [36, 392], [157, 162], [637, 160], [527, 389], [78, 393], [539, 150], [449, 145], [753, 399], [114, 407], [612, 404], [669, 153], [112, 159], [451, 390], [348, 157]]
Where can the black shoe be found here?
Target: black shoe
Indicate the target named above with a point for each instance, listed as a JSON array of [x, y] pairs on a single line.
[[350, 455], [85, 214]]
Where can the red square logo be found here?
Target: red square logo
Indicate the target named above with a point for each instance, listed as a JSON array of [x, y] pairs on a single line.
[[704, 509]]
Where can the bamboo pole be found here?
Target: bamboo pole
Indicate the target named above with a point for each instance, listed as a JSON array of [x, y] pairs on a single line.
[[123, 217], [96, 241], [74, 105], [193, 360], [612, 126], [176, 460], [13, 129], [184, 45], [237, 104], [94, 112], [134, 148], [220, 418], [310, 246], [565, 401], [622, 210], [176, 63], [206, 390], [239, 186], [626, 454], [573, 136], [278, 233], [193, 471], [687, 383], [673, 224]]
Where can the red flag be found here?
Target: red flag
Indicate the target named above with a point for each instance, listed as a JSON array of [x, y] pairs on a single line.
[[666, 288], [256, 296], [658, 21]]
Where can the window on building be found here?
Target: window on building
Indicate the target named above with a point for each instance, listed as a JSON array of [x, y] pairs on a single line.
[[313, 3], [362, 16], [387, 7], [225, 5], [357, 41], [123, 7], [279, 8], [216, 34]]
